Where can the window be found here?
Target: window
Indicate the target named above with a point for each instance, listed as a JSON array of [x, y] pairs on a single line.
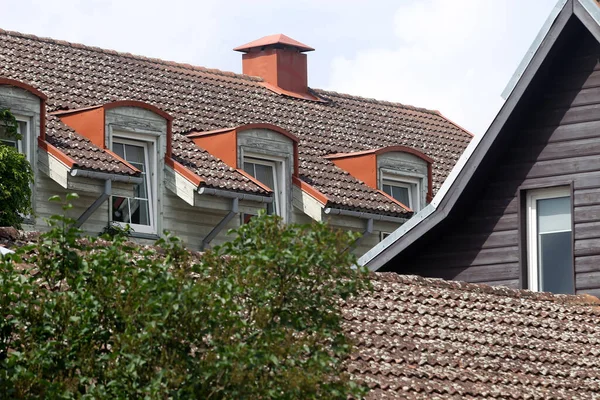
[[550, 240], [12, 141], [404, 189], [267, 172], [139, 209]]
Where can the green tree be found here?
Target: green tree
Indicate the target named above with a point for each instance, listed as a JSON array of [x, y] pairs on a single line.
[[16, 177], [257, 318]]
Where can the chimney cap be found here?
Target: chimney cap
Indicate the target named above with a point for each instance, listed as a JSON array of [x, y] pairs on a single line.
[[278, 39]]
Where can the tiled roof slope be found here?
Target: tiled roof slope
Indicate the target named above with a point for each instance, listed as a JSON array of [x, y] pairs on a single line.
[[85, 154], [200, 99], [422, 338]]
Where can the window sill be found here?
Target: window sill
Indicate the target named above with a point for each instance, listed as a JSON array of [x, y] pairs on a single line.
[[140, 235]]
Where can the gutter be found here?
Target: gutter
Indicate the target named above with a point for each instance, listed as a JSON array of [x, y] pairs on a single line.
[[84, 173], [364, 215], [235, 195]]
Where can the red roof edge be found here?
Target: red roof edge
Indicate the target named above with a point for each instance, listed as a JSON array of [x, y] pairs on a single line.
[[382, 150], [272, 40], [305, 187], [255, 181], [62, 157], [183, 171]]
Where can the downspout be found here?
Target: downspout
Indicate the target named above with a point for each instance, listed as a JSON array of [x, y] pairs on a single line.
[[367, 232], [108, 179], [235, 199], [370, 217]]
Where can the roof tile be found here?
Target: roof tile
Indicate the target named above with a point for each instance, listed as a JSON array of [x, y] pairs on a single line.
[[426, 338], [201, 99]]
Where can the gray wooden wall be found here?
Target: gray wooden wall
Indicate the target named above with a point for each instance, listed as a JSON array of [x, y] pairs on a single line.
[[554, 141]]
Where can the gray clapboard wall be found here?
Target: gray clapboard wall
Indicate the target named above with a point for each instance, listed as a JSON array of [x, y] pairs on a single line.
[[553, 138]]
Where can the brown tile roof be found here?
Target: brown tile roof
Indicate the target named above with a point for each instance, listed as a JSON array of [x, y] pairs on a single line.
[[421, 338], [75, 76], [85, 154]]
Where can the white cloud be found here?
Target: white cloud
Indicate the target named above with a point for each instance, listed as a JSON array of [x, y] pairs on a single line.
[[453, 56]]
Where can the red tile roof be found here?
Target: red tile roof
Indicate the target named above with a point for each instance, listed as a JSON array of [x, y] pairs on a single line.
[[85, 154], [422, 338], [200, 99], [273, 40]]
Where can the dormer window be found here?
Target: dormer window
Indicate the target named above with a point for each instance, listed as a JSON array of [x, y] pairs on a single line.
[[139, 210], [404, 189], [268, 172]]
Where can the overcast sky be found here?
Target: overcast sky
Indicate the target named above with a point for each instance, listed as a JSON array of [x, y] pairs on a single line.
[[455, 56]]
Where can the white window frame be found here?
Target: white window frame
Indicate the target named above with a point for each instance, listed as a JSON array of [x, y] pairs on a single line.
[[412, 184], [533, 267], [150, 146], [280, 190], [22, 144]]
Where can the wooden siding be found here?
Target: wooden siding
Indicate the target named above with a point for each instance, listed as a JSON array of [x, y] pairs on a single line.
[[554, 140]]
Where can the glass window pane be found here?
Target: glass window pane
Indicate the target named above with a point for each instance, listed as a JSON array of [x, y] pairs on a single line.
[[134, 154], [120, 209], [249, 168], [400, 193], [118, 150], [554, 214], [264, 173], [139, 212], [136, 209], [556, 258], [6, 139]]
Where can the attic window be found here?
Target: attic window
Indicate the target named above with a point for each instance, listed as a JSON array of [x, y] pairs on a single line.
[[403, 188], [138, 210], [269, 172], [550, 240]]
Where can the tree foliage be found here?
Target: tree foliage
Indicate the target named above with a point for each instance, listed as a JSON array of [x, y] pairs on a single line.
[[16, 177], [257, 318]]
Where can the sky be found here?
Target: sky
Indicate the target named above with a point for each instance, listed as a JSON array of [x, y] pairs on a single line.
[[455, 56]]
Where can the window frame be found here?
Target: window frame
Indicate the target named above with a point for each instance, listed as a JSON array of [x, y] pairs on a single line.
[[532, 232], [279, 166], [150, 144], [22, 144], [413, 185]]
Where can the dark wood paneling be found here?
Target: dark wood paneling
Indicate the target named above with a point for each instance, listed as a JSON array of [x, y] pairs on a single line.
[[587, 263], [587, 197], [587, 280], [587, 214], [553, 140], [556, 134]]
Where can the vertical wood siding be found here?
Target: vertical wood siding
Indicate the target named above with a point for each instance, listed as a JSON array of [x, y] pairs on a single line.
[[555, 142]]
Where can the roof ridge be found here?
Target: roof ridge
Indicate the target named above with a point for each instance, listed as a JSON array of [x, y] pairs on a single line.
[[377, 101], [132, 56], [579, 299]]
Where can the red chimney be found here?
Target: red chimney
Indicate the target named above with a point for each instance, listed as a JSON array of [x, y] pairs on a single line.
[[278, 59]]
